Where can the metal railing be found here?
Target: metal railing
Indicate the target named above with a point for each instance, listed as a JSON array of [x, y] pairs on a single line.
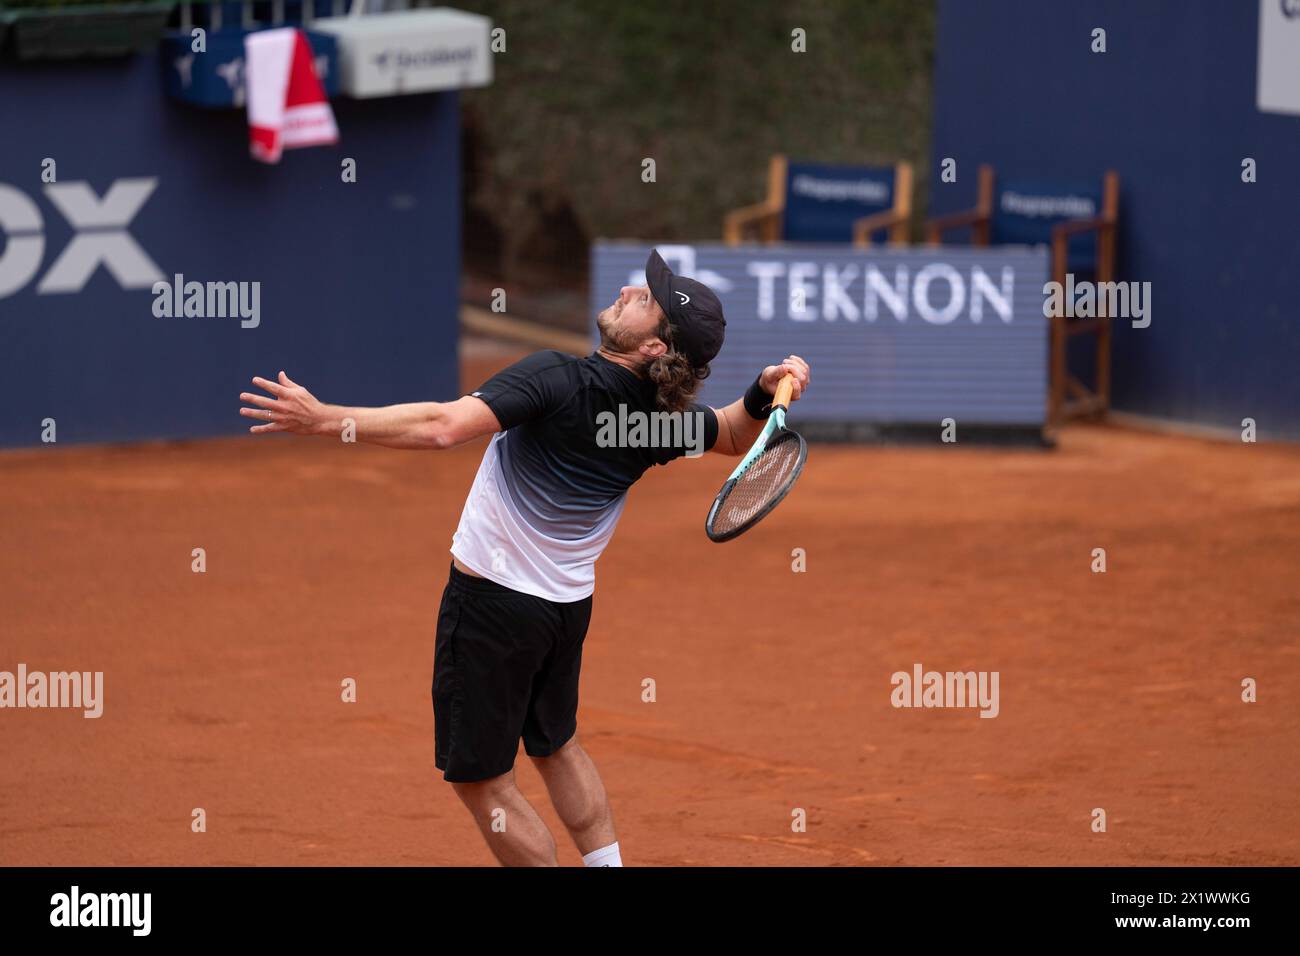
[[218, 9]]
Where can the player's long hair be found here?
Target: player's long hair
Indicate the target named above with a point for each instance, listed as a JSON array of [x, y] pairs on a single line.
[[676, 380]]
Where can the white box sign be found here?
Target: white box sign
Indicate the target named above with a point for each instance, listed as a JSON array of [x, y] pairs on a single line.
[[1278, 89], [414, 51]]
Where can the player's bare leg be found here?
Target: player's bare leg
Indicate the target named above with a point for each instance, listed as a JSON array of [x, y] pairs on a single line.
[[519, 838], [579, 798]]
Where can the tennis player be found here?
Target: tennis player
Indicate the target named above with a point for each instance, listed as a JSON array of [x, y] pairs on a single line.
[[543, 506]]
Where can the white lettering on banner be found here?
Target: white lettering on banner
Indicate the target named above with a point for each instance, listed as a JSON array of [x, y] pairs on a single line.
[[921, 289], [101, 237], [861, 190], [836, 299], [895, 296], [20, 222], [937, 293], [1067, 207], [766, 273], [983, 290]]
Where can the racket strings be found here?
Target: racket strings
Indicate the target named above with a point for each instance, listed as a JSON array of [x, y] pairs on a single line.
[[763, 482]]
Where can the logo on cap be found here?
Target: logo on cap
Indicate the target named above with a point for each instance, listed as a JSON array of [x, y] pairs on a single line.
[[685, 298]]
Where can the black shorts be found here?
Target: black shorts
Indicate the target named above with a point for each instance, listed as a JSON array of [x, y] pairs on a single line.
[[505, 666]]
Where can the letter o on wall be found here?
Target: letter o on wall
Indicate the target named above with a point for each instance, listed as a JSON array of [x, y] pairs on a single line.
[[20, 220], [921, 293]]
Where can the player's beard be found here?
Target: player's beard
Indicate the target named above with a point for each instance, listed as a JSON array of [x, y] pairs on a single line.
[[615, 338]]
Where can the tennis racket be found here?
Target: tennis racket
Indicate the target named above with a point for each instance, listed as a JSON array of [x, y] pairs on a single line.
[[764, 476]]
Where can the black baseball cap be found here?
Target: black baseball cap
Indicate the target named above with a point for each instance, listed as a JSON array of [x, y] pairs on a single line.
[[693, 311]]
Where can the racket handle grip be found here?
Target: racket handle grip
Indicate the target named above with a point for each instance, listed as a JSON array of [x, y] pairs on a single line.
[[784, 391]]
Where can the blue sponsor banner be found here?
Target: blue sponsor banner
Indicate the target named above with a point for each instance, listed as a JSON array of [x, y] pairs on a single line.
[[894, 336], [350, 287]]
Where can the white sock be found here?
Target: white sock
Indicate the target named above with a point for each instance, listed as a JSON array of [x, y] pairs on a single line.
[[605, 856]]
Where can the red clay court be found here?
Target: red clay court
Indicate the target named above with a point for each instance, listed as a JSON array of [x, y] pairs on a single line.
[[1119, 690]]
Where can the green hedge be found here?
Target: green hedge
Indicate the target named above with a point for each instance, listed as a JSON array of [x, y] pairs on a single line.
[[586, 90]]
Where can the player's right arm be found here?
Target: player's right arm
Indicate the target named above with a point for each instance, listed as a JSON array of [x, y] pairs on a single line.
[[737, 430], [415, 425]]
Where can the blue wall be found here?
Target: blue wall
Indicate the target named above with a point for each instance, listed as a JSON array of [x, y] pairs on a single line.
[[1171, 106], [360, 281]]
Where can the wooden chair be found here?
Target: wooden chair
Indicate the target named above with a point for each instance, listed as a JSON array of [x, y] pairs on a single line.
[[812, 202], [1078, 222]]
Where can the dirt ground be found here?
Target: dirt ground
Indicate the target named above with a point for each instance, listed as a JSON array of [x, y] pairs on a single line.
[[1119, 691]]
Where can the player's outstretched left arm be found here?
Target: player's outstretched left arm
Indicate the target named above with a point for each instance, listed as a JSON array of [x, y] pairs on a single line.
[[416, 425], [737, 430]]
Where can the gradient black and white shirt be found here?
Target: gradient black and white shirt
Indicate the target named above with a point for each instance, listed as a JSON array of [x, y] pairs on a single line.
[[576, 434]]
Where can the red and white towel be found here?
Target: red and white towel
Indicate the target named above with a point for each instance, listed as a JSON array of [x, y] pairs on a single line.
[[287, 107]]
